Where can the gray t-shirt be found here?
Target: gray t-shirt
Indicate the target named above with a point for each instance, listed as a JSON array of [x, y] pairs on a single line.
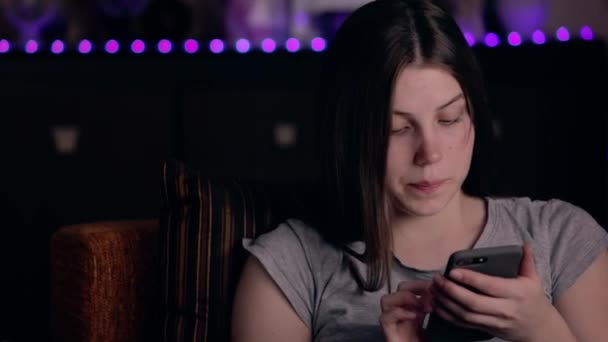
[[318, 281]]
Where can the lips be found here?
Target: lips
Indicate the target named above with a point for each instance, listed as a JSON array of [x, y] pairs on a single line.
[[427, 186]]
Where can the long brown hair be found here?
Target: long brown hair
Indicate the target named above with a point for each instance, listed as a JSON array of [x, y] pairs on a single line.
[[367, 53]]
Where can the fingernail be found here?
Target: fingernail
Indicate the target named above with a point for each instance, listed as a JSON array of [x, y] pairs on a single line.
[[456, 275]]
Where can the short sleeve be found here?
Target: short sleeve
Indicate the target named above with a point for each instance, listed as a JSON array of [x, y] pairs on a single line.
[[285, 253], [576, 241]]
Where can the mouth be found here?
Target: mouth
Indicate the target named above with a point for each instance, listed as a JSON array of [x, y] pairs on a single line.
[[428, 186]]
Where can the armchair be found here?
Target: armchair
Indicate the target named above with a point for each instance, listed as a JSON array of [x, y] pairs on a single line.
[[170, 278]]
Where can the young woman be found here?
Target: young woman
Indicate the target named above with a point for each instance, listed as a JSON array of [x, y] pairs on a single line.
[[403, 137]]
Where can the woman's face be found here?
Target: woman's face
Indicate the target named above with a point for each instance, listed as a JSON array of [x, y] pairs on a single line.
[[431, 141]]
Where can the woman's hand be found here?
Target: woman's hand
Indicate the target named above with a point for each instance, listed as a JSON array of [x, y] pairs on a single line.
[[403, 311], [512, 309]]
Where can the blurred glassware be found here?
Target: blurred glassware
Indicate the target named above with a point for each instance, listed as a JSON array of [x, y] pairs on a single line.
[[7, 31], [36, 20], [257, 20], [167, 19], [122, 8], [310, 18], [469, 14], [207, 18], [523, 16], [119, 17], [328, 23]]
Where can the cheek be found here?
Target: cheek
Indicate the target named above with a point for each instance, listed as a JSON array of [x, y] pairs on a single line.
[[467, 146], [460, 145], [399, 155], [470, 141], [464, 138]]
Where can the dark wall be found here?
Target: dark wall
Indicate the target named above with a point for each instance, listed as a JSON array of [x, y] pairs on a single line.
[[219, 114], [112, 175], [550, 107]]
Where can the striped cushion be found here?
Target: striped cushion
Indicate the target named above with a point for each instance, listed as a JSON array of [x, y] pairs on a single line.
[[202, 223]]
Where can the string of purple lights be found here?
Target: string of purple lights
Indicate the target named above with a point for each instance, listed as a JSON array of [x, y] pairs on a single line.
[[218, 46]]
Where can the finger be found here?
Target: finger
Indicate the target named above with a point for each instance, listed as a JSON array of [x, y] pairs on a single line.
[[417, 286], [469, 320], [427, 303], [443, 312], [457, 315], [489, 285], [397, 315], [457, 311], [466, 299], [404, 299], [398, 322], [527, 267]]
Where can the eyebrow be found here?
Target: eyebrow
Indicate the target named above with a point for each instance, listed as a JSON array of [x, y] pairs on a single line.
[[443, 106]]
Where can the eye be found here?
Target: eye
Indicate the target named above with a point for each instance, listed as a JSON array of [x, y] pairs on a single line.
[[451, 118], [401, 130], [449, 122]]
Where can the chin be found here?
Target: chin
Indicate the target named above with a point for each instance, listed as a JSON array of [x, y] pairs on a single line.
[[423, 205]]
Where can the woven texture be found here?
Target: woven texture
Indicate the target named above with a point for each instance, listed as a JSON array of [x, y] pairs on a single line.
[[105, 282], [203, 222]]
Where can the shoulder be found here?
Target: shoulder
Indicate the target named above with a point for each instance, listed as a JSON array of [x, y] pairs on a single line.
[[566, 238], [547, 213], [292, 233], [554, 225], [298, 260], [521, 205], [294, 242]]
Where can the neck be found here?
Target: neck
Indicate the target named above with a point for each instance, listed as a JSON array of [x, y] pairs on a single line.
[[453, 221], [427, 242]]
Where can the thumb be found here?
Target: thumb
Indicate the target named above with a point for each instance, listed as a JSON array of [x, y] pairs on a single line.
[[527, 268]]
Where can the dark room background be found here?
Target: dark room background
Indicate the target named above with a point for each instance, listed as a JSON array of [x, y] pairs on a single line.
[[85, 130]]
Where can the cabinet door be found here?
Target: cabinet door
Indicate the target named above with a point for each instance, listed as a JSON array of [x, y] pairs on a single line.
[[264, 134], [114, 170]]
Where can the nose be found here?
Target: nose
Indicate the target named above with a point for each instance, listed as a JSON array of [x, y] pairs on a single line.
[[429, 151]]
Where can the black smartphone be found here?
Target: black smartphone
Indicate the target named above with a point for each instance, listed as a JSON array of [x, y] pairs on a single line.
[[503, 261]]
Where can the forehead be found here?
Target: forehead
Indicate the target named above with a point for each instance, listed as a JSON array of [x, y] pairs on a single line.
[[421, 89]]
